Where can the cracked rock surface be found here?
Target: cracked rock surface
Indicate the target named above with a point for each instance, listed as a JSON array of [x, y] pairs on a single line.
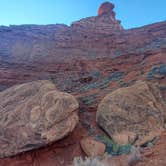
[[33, 115]]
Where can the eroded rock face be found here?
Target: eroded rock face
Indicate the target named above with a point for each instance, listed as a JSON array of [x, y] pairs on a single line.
[[88, 62], [104, 23], [132, 115], [33, 115]]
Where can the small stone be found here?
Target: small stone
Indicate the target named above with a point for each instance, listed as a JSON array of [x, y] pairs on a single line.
[[92, 147]]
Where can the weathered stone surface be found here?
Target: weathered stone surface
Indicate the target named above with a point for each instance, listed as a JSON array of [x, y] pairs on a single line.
[[88, 62], [105, 8], [132, 115], [104, 23], [92, 148], [33, 115]]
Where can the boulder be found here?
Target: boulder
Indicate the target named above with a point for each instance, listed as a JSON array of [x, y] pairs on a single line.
[[132, 115], [33, 115], [92, 148]]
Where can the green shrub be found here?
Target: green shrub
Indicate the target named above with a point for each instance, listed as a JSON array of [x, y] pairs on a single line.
[[113, 148], [157, 70], [103, 83], [88, 100]]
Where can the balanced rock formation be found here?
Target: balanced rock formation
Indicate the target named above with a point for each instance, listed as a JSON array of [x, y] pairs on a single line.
[[106, 8], [33, 115], [132, 115], [104, 23]]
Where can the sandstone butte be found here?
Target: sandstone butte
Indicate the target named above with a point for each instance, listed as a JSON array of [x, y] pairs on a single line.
[[89, 59]]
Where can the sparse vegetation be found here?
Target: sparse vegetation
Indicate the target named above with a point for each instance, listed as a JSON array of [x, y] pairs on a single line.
[[88, 100], [157, 72], [78, 161], [116, 76], [113, 148], [132, 159], [134, 156], [122, 83]]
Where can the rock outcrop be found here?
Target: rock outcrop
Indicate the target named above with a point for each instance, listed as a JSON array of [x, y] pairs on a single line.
[[106, 8], [33, 115], [104, 23], [89, 62], [132, 115]]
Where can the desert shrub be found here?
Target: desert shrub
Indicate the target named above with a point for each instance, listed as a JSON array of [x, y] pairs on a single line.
[[157, 70], [122, 83], [113, 148], [88, 100], [134, 156], [132, 159], [95, 74], [162, 87], [103, 83], [117, 53], [2, 87], [78, 161]]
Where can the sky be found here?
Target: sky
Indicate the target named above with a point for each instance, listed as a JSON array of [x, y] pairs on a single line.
[[132, 13]]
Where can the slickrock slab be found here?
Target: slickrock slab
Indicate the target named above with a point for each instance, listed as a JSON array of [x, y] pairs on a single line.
[[132, 115], [33, 115]]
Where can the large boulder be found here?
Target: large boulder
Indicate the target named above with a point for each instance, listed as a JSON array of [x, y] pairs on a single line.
[[33, 115], [132, 115]]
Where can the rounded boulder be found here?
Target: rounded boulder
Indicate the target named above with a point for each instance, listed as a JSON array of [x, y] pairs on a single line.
[[33, 115]]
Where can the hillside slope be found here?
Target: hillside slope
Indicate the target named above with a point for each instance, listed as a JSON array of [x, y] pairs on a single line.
[[88, 59]]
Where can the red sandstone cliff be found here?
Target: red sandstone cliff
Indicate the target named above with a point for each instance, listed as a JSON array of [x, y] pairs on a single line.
[[90, 58]]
